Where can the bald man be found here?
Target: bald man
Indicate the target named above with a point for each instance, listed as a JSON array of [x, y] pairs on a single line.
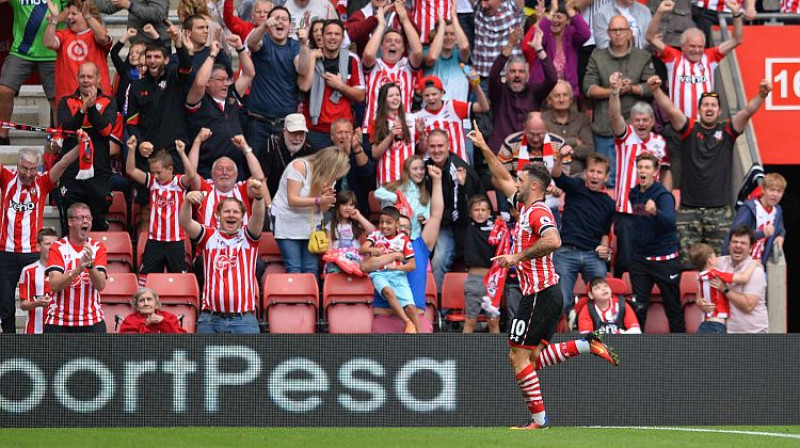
[[90, 109]]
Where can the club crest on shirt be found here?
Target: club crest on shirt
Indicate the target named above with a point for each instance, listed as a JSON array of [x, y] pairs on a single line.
[[718, 136]]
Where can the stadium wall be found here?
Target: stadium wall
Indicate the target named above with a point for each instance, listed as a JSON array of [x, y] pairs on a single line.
[[425, 380]]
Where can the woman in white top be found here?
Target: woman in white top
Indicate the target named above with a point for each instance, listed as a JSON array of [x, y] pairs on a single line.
[[305, 192]]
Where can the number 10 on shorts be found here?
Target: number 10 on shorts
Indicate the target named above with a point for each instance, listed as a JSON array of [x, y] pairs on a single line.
[[784, 73], [517, 333]]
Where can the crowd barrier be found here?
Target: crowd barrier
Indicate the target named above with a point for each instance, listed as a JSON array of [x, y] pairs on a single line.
[[425, 380]]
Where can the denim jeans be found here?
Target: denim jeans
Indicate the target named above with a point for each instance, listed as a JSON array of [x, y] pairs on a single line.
[[710, 327], [297, 258], [605, 146], [570, 261], [443, 254], [243, 324]]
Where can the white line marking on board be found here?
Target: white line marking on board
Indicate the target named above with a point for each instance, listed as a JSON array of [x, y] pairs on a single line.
[[720, 431]]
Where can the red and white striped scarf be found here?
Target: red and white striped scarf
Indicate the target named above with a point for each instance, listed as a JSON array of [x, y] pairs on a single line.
[[495, 279], [85, 159], [524, 156]]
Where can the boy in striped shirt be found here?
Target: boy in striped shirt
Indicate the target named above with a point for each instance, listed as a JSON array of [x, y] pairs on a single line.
[[34, 286], [165, 246]]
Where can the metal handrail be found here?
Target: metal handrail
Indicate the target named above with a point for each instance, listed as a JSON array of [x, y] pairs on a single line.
[[122, 19], [738, 87]]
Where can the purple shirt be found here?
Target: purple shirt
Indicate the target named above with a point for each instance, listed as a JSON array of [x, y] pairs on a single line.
[[575, 34]]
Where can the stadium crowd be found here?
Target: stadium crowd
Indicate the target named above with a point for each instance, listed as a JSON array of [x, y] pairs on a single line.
[[351, 136]]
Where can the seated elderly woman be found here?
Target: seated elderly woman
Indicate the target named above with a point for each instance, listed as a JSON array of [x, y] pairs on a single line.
[[148, 316]]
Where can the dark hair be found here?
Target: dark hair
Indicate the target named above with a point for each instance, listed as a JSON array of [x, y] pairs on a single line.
[[189, 23], [279, 8], [344, 197], [699, 254], [155, 46], [391, 212], [381, 126], [539, 172], [598, 158], [596, 281], [336, 22], [744, 229], [311, 42], [45, 231], [163, 157]]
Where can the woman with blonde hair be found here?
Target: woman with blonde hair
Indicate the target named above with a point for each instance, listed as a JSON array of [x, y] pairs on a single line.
[[304, 194], [412, 185]]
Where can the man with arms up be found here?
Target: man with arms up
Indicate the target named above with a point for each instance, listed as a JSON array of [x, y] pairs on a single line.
[[535, 239]]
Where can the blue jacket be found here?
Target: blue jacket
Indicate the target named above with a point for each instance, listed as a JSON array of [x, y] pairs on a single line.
[[655, 235], [747, 215]]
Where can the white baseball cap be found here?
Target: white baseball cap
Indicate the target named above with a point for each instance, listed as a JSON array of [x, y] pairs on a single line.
[[295, 123]]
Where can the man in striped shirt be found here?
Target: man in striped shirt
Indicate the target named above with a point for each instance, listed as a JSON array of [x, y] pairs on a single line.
[[691, 70], [76, 268], [34, 286], [24, 196], [229, 256], [494, 22], [535, 239]]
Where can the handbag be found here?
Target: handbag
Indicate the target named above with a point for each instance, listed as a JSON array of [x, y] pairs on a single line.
[[318, 240]]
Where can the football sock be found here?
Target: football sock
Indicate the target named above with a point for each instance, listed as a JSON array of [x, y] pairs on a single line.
[[557, 353], [528, 382]]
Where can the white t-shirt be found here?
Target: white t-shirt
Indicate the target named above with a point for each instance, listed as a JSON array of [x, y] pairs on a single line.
[[320, 9], [293, 223]]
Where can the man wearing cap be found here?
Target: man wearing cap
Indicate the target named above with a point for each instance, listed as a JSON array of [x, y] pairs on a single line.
[[449, 115], [333, 86], [282, 148]]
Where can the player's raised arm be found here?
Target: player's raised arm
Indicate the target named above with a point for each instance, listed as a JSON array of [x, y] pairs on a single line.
[[501, 178]]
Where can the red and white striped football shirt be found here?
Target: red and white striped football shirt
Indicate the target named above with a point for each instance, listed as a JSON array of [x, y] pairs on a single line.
[[713, 295], [628, 147], [34, 283], [790, 6], [764, 218], [23, 211], [535, 274], [77, 305], [390, 165], [688, 80], [165, 202], [715, 5], [426, 14], [229, 263], [205, 212], [450, 119], [382, 73]]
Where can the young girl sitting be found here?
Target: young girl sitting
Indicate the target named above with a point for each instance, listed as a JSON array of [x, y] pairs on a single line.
[[412, 185], [346, 227]]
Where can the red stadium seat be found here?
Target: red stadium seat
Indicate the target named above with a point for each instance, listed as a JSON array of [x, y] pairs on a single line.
[[187, 316], [432, 302], [119, 249], [118, 212], [290, 303], [657, 322], [176, 289], [119, 288], [691, 312], [347, 303], [694, 316], [581, 288], [618, 286], [374, 208], [269, 252], [114, 314], [453, 297]]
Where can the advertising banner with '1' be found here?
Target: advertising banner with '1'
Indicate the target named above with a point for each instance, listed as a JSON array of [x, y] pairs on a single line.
[[771, 52]]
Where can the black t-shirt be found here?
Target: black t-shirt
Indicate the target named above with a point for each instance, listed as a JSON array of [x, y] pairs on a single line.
[[477, 250], [706, 164]]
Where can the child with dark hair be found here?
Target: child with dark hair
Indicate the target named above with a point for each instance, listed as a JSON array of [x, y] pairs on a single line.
[[606, 313], [391, 281], [346, 227], [704, 259]]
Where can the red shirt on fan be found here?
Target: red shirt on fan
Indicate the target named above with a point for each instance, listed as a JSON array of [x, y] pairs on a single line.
[[397, 243], [382, 73], [450, 119], [34, 283], [608, 317], [205, 212], [390, 165], [535, 274], [229, 264], [688, 80], [628, 147], [165, 201], [710, 294], [136, 323], [23, 211], [77, 305], [331, 111], [426, 14], [75, 49]]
